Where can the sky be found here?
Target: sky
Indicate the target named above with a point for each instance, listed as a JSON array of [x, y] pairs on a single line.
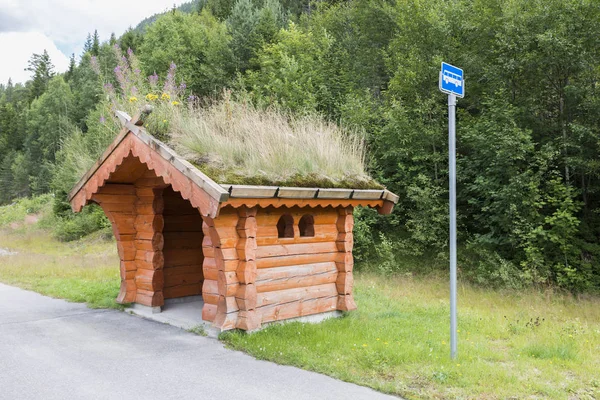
[[61, 27]]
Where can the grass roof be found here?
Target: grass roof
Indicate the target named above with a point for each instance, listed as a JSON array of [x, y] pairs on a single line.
[[236, 143]]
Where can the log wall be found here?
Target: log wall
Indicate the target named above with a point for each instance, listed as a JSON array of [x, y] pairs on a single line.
[[296, 276], [182, 247], [149, 241], [246, 274], [118, 203]]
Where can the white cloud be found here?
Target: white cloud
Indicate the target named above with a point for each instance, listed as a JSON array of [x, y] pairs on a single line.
[[17, 48], [67, 23]]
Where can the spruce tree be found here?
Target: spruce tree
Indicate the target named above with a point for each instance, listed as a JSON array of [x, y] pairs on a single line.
[[42, 69], [71, 70], [87, 46], [95, 44]]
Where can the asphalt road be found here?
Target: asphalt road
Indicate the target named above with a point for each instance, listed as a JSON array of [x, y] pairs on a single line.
[[52, 349]]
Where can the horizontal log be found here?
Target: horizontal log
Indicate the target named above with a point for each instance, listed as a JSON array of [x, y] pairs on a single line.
[[114, 198], [246, 272], [184, 279], [156, 244], [210, 298], [288, 272], [317, 238], [151, 280], [223, 265], [149, 235], [128, 266], [149, 182], [344, 282], [117, 189], [298, 308], [246, 249], [228, 283], [246, 227], [124, 208], [209, 311], [222, 242], [289, 280], [345, 223], [150, 299], [183, 240], [295, 249], [246, 296], [248, 320], [299, 259], [149, 223], [125, 223], [145, 209], [178, 257], [186, 224], [220, 254], [346, 303], [127, 275], [154, 257], [182, 270], [227, 217], [126, 297], [126, 250], [130, 284], [290, 295], [210, 286], [210, 272], [182, 291], [147, 191]]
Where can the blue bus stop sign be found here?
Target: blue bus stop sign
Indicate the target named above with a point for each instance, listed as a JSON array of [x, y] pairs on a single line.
[[452, 80]]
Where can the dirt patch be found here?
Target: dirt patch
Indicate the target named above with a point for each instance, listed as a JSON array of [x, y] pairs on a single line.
[[4, 252], [31, 219]]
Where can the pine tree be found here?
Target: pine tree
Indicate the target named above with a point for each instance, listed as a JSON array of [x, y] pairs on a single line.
[[71, 70], [87, 46], [95, 44], [42, 69], [113, 39]]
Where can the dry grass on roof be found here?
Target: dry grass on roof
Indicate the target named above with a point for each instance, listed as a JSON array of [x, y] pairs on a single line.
[[237, 143]]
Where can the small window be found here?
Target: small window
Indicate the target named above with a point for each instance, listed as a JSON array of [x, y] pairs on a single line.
[[285, 226], [307, 225]]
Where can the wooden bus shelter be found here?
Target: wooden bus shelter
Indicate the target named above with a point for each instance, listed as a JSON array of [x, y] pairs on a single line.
[[255, 254]]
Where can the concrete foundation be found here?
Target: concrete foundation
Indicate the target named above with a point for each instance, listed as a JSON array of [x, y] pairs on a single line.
[[186, 313]]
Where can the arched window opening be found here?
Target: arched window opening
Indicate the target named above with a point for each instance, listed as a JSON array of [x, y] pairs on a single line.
[[285, 226], [307, 225]]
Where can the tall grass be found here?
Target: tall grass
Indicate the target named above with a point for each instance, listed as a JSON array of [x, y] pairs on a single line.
[[237, 143]]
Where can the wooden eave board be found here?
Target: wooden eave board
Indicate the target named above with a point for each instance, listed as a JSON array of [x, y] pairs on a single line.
[[196, 176]]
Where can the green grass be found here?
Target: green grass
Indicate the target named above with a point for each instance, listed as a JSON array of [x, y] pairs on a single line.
[[512, 344], [85, 271], [527, 344]]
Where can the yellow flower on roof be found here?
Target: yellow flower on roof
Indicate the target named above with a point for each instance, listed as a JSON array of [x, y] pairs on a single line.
[[165, 96], [151, 96], [132, 99], [175, 103]]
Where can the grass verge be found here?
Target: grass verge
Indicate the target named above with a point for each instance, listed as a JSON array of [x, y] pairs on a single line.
[[512, 344], [526, 344], [85, 271]]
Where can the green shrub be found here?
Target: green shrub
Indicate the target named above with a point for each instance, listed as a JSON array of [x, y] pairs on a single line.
[[76, 226], [20, 208]]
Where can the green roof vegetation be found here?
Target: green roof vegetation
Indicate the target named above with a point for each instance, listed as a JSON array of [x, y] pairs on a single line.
[[235, 142]]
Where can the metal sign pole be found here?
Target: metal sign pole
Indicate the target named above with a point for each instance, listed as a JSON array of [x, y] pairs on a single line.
[[452, 177]]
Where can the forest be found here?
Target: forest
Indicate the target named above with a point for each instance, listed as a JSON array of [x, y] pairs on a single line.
[[528, 130]]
